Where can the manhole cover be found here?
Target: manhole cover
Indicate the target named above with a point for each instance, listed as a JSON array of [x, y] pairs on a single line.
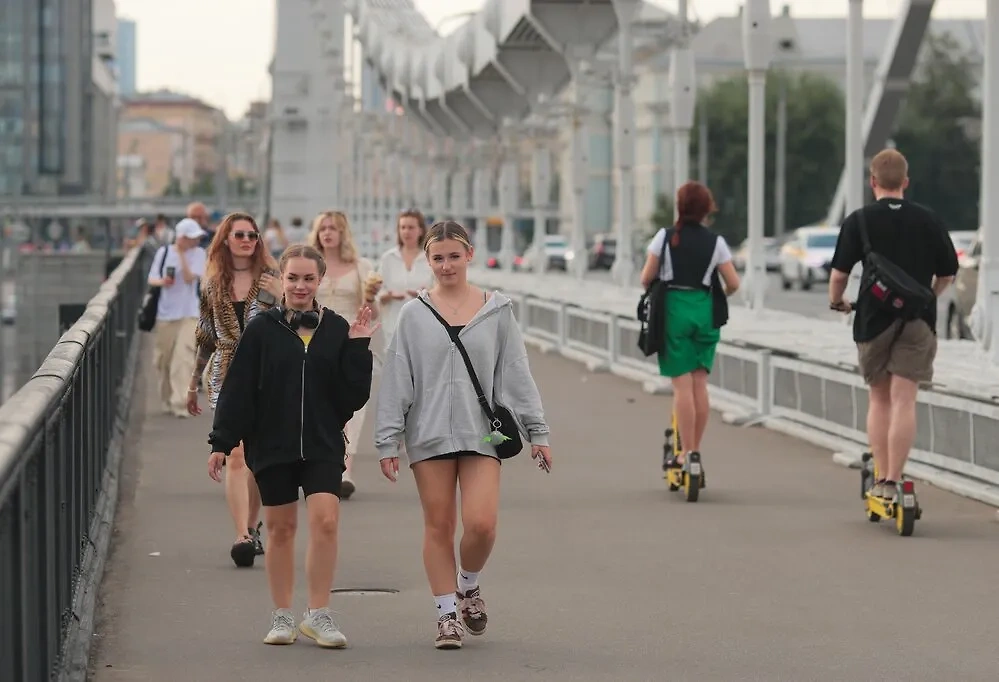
[[363, 591]]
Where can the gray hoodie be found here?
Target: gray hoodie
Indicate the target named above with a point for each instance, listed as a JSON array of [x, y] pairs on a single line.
[[427, 397]]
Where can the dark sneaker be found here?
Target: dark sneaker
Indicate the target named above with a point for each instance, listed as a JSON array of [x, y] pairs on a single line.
[[448, 632], [258, 544], [473, 611], [242, 553]]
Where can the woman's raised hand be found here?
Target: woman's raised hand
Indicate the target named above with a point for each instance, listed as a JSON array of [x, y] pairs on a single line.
[[362, 327]]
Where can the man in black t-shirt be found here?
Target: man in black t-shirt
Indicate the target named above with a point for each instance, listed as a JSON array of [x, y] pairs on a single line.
[[893, 360]]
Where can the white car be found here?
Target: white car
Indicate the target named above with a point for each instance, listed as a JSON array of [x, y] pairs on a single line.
[[806, 257]]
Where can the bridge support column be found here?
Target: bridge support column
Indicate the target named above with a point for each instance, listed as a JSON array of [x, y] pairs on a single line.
[[683, 96], [623, 269], [854, 107], [988, 281], [577, 57], [541, 176], [757, 53], [482, 179], [508, 204]]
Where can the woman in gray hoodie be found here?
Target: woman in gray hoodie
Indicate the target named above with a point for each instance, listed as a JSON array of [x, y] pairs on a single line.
[[427, 397]]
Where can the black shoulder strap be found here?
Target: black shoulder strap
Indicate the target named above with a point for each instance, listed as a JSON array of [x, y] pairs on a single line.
[[667, 233], [479, 393], [864, 239], [166, 252]]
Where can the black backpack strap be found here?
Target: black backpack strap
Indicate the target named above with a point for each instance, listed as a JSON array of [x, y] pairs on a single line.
[[479, 393], [864, 238], [166, 252]]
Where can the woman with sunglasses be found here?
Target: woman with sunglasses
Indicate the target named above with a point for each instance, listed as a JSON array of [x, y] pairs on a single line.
[[299, 374], [238, 285]]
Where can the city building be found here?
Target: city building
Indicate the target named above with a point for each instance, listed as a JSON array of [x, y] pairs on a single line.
[[181, 139], [126, 59], [248, 163], [58, 98]]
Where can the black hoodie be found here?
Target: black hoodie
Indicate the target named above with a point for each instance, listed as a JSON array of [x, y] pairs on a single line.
[[287, 402]]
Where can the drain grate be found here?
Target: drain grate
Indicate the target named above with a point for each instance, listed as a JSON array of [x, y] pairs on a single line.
[[364, 591]]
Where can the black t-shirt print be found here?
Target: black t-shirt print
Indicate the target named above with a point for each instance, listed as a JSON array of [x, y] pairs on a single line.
[[909, 235]]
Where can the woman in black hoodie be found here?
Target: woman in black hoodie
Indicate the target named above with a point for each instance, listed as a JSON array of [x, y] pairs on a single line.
[[298, 375]]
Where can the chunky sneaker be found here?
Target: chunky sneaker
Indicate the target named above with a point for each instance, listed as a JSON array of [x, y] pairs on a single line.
[[243, 552], [282, 628], [448, 632], [347, 487], [320, 626], [258, 543], [473, 611], [878, 489]]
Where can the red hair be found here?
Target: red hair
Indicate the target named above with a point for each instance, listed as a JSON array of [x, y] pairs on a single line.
[[694, 203]]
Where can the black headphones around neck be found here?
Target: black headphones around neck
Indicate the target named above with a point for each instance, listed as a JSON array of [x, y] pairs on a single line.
[[300, 318]]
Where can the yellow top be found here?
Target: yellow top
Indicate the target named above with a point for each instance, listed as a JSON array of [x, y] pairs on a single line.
[[305, 339]]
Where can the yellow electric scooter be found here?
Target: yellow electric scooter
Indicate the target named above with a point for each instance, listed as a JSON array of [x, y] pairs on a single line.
[[904, 508], [690, 476]]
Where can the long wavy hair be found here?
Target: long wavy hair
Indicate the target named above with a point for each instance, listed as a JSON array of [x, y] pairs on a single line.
[[219, 268], [348, 251]]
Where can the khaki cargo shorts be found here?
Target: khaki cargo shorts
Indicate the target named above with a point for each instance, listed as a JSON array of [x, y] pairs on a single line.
[[910, 357]]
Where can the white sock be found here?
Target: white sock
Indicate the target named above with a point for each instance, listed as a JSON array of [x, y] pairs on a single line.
[[446, 603], [467, 580]]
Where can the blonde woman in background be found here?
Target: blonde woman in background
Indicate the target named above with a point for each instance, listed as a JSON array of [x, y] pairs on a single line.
[[404, 269], [350, 284]]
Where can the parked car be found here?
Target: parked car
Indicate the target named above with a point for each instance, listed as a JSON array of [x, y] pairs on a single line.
[[555, 251], [965, 287], [806, 257], [602, 252], [771, 254]]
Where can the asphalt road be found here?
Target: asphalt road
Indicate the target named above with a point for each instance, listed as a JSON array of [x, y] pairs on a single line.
[[599, 572]]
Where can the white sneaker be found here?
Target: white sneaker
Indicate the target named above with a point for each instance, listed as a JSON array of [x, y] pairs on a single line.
[[347, 487], [320, 626], [282, 628]]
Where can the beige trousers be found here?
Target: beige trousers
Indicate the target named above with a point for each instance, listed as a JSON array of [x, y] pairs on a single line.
[[175, 361]]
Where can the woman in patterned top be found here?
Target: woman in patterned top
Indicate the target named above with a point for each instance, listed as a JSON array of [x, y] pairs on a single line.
[[238, 284]]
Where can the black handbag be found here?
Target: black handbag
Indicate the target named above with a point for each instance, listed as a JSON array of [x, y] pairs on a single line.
[[652, 309], [500, 418], [151, 301], [890, 287]]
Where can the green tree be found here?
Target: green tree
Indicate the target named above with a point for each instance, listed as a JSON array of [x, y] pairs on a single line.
[[173, 188], [204, 186], [932, 132], [815, 130]]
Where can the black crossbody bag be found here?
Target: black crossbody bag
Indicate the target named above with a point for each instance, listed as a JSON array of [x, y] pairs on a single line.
[[652, 309], [151, 301], [500, 418]]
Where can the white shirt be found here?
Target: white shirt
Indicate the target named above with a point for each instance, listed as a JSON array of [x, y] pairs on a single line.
[[180, 300], [721, 256], [396, 277]]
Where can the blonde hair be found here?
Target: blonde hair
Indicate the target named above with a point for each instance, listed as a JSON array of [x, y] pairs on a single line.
[[219, 267], [889, 169], [348, 251], [303, 251], [444, 230]]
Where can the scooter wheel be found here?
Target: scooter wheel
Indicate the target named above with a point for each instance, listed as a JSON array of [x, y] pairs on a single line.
[[905, 521], [873, 517], [691, 487]]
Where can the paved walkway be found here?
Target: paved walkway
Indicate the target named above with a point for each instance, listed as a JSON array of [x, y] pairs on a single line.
[[599, 573]]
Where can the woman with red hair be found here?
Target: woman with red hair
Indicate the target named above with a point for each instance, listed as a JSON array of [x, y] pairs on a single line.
[[694, 262]]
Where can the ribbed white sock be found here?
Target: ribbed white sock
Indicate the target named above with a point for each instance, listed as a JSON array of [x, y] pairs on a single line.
[[446, 603], [467, 580]]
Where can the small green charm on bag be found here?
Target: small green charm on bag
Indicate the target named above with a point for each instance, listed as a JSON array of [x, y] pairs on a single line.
[[495, 438]]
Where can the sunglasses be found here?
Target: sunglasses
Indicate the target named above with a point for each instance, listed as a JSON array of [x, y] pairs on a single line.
[[252, 236]]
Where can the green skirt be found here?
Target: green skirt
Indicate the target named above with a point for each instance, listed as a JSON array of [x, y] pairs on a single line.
[[691, 338]]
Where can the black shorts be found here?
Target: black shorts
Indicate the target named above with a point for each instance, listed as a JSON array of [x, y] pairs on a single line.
[[279, 484], [460, 453]]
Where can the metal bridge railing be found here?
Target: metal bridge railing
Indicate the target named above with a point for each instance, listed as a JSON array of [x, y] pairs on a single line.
[[60, 446]]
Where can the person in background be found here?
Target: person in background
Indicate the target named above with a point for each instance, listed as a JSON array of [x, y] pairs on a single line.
[[427, 398], [177, 269], [275, 238], [349, 285], [699, 277], [299, 372], [404, 269], [297, 233], [240, 282]]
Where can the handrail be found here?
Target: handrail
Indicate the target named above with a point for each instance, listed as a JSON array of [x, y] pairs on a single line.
[[60, 443]]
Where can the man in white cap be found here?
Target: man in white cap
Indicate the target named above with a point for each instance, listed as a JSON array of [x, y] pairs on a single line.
[[177, 270]]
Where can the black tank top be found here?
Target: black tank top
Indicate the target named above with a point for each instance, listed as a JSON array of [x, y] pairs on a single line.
[[693, 259]]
